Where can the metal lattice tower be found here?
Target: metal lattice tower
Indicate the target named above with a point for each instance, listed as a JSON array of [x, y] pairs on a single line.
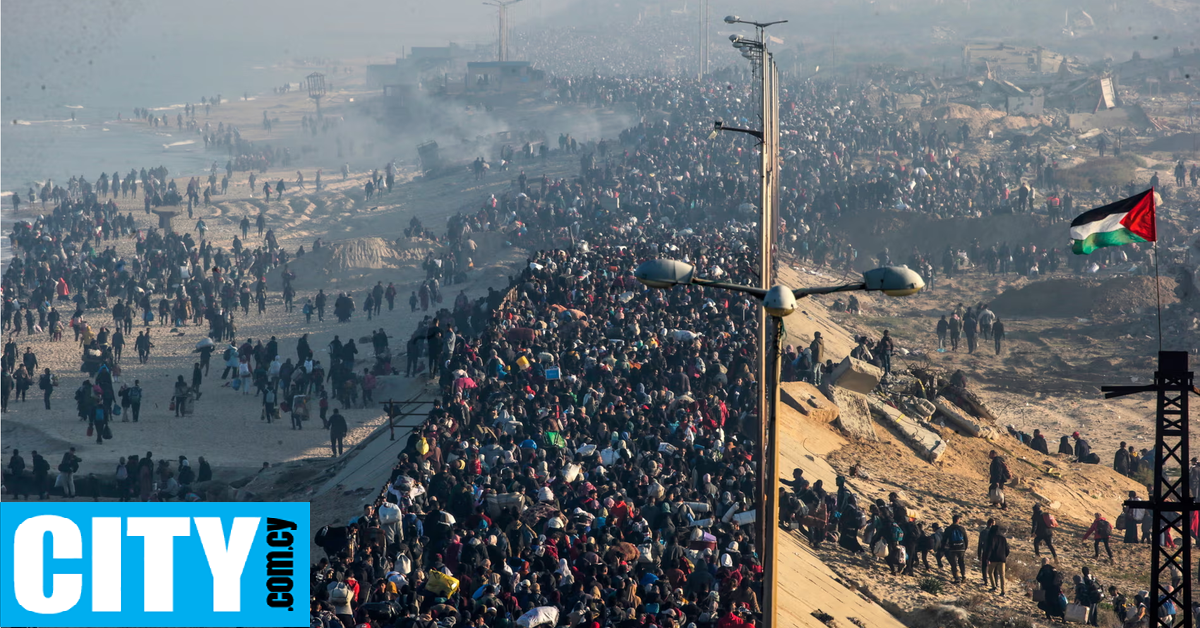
[[315, 83], [1170, 504], [504, 28]]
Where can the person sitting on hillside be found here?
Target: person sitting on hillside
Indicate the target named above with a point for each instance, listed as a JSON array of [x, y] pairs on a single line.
[[1064, 446], [1083, 451], [1038, 443]]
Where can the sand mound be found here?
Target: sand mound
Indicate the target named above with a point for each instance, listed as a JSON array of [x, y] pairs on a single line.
[[361, 253], [1085, 298], [361, 258]]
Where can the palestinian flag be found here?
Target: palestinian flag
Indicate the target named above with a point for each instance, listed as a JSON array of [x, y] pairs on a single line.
[[1123, 222]]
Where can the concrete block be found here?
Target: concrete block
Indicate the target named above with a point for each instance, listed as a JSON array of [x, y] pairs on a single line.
[[856, 375], [966, 399], [807, 400], [928, 444], [854, 414], [960, 420], [920, 409]]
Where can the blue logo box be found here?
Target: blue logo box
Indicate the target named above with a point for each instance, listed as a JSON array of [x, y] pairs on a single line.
[[154, 564]]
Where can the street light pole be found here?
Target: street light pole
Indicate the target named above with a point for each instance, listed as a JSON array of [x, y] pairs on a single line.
[[777, 301], [766, 480]]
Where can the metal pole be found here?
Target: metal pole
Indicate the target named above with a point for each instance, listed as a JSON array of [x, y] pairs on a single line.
[[770, 514], [762, 481], [768, 470]]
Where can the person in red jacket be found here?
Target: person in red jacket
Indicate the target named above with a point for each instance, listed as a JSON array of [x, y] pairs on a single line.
[[735, 618], [1100, 530]]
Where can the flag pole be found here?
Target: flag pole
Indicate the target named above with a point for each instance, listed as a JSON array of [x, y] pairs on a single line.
[[1158, 294], [1157, 281]]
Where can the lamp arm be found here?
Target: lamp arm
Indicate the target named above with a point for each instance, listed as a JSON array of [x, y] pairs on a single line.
[[757, 293], [805, 292]]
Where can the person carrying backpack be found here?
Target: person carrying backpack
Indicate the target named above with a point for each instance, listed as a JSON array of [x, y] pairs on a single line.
[[1100, 530], [47, 383], [133, 394], [1043, 531], [955, 544], [998, 475]]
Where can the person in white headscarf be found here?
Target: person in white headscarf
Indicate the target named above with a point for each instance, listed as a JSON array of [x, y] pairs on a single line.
[[566, 578]]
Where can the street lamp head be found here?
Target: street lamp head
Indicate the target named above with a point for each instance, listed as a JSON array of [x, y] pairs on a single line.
[[894, 281], [732, 19], [735, 38], [779, 301], [664, 273]]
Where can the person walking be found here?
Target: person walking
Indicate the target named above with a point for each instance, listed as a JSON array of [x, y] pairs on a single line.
[[970, 330], [998, 475], [998, 334], [1043, 531], [66, 469], [134, 395], [337, 432], [955, 331], [47, 382], [955, 544], [943, 328], [997, 554], [982, 551], [1099, 532], [269, 404]]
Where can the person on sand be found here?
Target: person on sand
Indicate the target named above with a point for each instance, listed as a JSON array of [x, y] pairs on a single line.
[[1050, 581], [1043, 531], [998, 335], [1038, 443], [337, 432], [955, 331], [319, 302], [981, 552], [997, 553], [1064, 446], [1134, 517], [943, 328], [1121, 460], [955, 544], [412, 302], [47, 383], [1100, 531], [1083, 450], [998, 475]]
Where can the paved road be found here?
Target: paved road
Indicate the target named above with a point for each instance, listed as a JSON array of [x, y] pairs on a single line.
[[371, 461]]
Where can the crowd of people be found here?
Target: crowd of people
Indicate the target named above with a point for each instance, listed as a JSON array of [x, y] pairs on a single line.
[[587, 456]]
